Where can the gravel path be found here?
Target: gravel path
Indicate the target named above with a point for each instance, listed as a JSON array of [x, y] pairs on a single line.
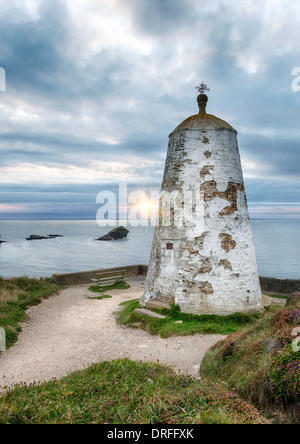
[[69, 332]]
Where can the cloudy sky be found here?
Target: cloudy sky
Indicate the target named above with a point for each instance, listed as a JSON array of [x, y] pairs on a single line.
[[94, 87]]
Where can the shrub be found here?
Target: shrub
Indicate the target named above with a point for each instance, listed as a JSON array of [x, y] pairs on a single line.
[[284, 322], [16, 296], [284, 375], [260, 363]]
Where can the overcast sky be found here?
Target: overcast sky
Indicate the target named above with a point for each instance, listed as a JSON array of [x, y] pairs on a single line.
[[94, 88]]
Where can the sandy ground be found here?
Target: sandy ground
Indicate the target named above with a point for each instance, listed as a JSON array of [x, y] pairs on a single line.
[[69, 332]]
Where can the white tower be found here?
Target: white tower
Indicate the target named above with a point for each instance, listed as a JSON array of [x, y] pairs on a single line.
[[202, 255]]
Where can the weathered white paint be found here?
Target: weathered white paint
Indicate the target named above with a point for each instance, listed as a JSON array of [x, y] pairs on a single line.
[[212, 266]]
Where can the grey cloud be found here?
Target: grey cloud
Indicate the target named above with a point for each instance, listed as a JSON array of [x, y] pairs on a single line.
[[61, 148], [193, 41], [281, 156], [31, 51], [161, 17], [262, 190]]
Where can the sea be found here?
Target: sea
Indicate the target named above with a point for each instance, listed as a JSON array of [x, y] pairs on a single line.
[[276, 241]]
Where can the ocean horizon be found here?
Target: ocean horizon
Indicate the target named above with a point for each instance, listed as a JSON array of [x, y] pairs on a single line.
[[276, 244]]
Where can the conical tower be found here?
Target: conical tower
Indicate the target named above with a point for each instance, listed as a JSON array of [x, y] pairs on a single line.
[[202, 255]]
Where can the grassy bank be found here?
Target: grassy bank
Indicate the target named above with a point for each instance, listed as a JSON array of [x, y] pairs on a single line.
[[178, 323], [115, 286], [254, 365], [16, 295], [126, 392], [261, 364], [101, 290]]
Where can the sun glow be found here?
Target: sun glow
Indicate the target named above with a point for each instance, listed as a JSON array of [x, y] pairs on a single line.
[[148, 204], [143, 207]]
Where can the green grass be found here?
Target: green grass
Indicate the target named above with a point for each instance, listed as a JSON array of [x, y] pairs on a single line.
[[125, 392], [16, 295], [277, 296], [188, 324], [104, 296], [116, 286], [259, 363]]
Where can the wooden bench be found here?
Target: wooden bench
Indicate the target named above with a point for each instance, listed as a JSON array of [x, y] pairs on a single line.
[[109, 278]]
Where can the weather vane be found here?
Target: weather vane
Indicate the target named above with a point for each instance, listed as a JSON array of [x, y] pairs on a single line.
[[202, 88]]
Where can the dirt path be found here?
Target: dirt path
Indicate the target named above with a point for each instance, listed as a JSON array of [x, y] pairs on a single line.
[[69, 332]]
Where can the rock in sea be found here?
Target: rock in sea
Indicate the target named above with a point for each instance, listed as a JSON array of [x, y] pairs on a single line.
[[115, 234], [36, 237]]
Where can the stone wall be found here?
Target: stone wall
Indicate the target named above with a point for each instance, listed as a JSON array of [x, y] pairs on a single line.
[[269, 285], [85, 277], [279, 286]]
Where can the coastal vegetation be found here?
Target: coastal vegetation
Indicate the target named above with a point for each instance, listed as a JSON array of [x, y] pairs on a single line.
[[16, 296], [104, 296], [252, 376], [178, 323], [262, 362], [259, 359], [115, 286], [126, 392], [101, 290]]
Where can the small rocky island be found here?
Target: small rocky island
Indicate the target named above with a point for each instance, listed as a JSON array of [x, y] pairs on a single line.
[[115, 234], [36, 237]]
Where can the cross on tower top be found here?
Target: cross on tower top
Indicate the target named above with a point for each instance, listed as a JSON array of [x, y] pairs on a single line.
[[202, 88]]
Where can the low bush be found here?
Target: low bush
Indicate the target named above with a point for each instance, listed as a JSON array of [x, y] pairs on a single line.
[[284, 376], [126, 392], [260, 363]]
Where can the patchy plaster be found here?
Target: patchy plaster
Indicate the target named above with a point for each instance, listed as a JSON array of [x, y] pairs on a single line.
[[230, 194], [227, 243], [206, 288], [212, 267], [205, 266], [206, 170], [226, 264]]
